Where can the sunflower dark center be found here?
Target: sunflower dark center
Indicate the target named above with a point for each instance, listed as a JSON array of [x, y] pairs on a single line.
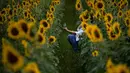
[[12, 58], [81, 19], [51, 40], [122, 71], [45, 24], [114, 4], [40, 38], [94, 53], [127, 22], [112, 0], [78, 5], [24, 27], [14, 31], [108, 25], [100, 5], [84, 26], [10, 12], [97, 34], [52, 9], [112, 35], [109, 18], [32, 71], [3, 12], [86, 17], [120, 13], [25, 13], [41, 30]]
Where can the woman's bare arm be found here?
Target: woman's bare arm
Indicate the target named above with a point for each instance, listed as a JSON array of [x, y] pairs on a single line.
[[69, 30]]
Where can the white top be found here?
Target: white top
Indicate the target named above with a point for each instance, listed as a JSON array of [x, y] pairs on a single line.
[[79, 32]]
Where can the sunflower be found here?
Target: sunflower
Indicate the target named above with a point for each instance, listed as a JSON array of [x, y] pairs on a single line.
[[30, 34], [14, 32], [128, 32], [116, 28], [120, 14], [40, 38], [41, 29], [52, 39], [90, 3], [31, 68], [25, 13], [84, 16], [127, 13], [48, 14], [99, 5], [23, 25], [52, 9], [11, 57], [45, 24], [78, 5], [112, 36], [127, 21], [84, 25], [122, 68], [108, 17], [95, 53], [88, 32], [96, 34], [108, 24]]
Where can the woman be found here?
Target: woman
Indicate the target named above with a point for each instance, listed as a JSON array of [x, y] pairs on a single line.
[[74, 37]]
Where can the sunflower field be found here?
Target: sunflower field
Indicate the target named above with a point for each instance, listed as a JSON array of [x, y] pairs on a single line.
[[33, 40]]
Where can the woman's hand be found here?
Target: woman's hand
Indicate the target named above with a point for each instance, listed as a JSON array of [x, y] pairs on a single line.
[[66, 28]]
